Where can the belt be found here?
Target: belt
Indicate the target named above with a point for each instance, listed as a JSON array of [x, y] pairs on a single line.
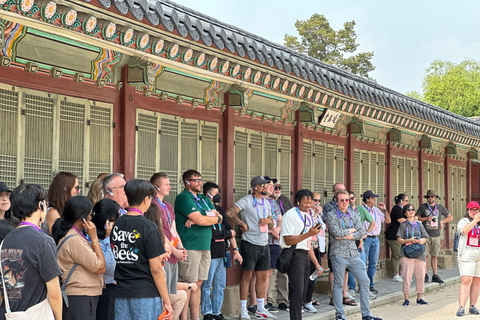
[[372, 236]]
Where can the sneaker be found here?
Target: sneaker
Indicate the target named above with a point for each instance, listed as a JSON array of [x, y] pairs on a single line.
[[252, 309], [371, 296], [436, 278], [264, 315], [406, 303], [371, 317], [269, 307], [309, 308], [421, 302], [426, 278], [461, 312], [352, 292], [349, 296], [473, 310], [244, 314], [373, 290], [283, 306], [342, 317], [397, 278], [208, 317], [218, 317]]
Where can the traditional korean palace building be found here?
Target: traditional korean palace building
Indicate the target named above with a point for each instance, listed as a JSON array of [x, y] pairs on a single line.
[[144, 86]]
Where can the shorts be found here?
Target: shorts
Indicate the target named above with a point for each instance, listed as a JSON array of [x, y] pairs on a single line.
[[274, 254], [171, 277], [432, 246], [469, 262], [138, 308], [255, 258], [195, 267]]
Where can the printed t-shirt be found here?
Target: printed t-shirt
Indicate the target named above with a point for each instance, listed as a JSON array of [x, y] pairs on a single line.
[[196, 237], [433, 228], [135, 240], [29, 260], [293, 224], [251, 212]]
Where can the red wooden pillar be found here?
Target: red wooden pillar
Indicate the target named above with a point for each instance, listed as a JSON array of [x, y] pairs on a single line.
[[297, 161], [469, 179], [420, 173], [126, 127], [349, 175], [388, 175], [228, 144], [446, 167]]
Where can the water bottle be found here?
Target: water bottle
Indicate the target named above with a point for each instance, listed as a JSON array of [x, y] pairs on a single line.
[[313, 276]]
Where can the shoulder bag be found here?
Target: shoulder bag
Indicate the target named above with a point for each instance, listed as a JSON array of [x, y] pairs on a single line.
[[283, 261], [413, 250], [64, 284], [40, 311]]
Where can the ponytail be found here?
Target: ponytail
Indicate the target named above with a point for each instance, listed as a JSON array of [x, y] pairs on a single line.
[[60, 229], [76, 209]]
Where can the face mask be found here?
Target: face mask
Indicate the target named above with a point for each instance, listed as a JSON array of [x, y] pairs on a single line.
[[216, 198]]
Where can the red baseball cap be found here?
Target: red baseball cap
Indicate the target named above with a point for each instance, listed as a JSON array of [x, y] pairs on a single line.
[[473, 204]]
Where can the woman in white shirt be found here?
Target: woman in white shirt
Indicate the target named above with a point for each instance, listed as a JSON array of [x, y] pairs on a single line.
[[298, 229]]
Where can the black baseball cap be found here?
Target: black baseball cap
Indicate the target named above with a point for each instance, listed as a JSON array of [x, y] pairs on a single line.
[[3, 187]]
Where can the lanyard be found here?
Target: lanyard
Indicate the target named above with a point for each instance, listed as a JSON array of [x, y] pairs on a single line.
[[219, 227], [25, 223], [197, 200], [123, 210], [431, 211], [477, 231], [370, 211], [341, 215], [136, 210], [413, 229], [281, 205], [304, 220], [80, 233], [165, 208], [256, 204]]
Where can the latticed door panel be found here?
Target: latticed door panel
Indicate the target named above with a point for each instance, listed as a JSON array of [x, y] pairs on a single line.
[[146, 145], [357, 176], [100, 140], [241, 181], [8, 133], [415, 187], [38, 112], [285, 164], [307, 164], [209, 151], [396, 187], [256, 154], [380, 169], [320, 172], [339, 164], [369, 170], [271, 155], [189, 137]]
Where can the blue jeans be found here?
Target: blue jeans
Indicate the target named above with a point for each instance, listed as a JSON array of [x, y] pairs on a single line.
[[351, 279], [138, 308], [357, 267], [371, 246], [217, 279]]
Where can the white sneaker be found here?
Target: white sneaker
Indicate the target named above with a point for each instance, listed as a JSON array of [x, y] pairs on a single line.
[[264, 315], [352, 293], [349, 296], [309, 308], [397, 278], [372, 296], [244, 314]]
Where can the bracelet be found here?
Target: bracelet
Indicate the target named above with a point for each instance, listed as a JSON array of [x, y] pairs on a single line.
[[96, 242]]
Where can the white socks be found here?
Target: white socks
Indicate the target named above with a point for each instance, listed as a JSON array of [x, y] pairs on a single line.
[[243, 304], [261, 304]]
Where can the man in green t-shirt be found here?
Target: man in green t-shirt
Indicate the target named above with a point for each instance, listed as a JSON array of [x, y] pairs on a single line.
[[194, 216]]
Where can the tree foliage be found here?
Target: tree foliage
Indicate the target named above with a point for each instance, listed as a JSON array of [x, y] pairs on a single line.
[[319, 40], [454, 87]]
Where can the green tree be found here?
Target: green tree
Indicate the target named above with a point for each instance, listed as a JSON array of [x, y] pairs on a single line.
[[319, 40], [415, 94], [454, 87]]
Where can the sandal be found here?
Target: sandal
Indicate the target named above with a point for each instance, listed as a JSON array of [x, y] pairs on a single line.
[[349, 302], [315, 303]]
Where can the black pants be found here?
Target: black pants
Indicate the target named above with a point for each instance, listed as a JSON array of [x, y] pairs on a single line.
[[106, 303], [298, 282], [81, 308], [311, 284]]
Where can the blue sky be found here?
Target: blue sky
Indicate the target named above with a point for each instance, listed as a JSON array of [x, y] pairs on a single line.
[[406, 36]]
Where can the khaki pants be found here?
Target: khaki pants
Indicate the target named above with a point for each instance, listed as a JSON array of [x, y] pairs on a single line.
[[395, 255], [272, 287], [282, 288]]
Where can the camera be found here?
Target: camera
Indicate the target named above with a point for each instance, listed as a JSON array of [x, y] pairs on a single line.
[[317, 225], [434, 220]]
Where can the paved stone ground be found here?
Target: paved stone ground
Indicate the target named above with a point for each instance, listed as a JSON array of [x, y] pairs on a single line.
[[388, 292]]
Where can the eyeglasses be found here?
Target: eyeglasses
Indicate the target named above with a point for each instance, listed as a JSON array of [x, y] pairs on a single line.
[[262, 185], [277, 188], [474, 209], [77, 188], [195, 180], [405, 201], [428, 197], [352, 198], [342, 200], [410, 209], [316, 200]]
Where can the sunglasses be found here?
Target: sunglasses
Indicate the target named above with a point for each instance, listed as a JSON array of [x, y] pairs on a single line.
[[195, 180], [262, 185], [277, 188], [405, 201], [430, 197], [77, 188], [410, 209], [343, 200], [316, 200], [352, 198]]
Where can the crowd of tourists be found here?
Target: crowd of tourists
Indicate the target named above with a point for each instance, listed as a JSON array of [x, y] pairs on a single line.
[[123, 252]]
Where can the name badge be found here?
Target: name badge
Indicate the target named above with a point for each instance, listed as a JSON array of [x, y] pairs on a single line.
[[322, 233], [434, 224], [210, 213], [264, 228], [309, 243], [473, 242], [174, 241]]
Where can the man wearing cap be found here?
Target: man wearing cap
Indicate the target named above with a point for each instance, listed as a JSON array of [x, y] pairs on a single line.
[[256, 220], [371, 244], [429, 213], [4, 200]]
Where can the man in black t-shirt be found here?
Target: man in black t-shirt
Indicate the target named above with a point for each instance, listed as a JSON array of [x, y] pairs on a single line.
[[137, 247], [430, 213]]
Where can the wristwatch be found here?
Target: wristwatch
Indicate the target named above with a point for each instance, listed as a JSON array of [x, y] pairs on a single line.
[[236, 248]]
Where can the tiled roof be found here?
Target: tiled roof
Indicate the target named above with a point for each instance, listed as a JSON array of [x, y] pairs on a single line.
[[211, 32]]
